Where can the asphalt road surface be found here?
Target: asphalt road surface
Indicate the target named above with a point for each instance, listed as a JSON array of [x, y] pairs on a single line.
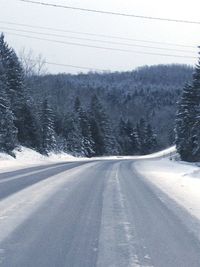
[[89, 214]]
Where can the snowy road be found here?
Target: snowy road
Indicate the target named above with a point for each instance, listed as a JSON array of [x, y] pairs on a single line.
[[87, 214]]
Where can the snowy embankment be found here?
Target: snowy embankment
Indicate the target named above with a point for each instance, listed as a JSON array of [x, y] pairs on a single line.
[[178, 180], [26, 157]]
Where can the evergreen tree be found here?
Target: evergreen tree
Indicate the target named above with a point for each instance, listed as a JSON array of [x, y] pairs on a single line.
[[123, 139], [141, 134], [14, 78], [97, 136], [131, 133], [127, 138], [185, 121], [30, 136], [73, 136], [77, 105], [48, 133], [196, 102], [104, 140], [147, 141], [8, 132], [81, 130], [24, 119], [5, 52], [187, 126], [85, 127], [150, 142]]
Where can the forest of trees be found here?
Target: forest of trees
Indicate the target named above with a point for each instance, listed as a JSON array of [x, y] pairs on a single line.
[[188, 120], [90, 114], [150, 93]]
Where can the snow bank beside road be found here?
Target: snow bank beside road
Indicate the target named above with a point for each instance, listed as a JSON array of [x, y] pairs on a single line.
[[168, 152], [171, 151], [179, 180], [26, 157]]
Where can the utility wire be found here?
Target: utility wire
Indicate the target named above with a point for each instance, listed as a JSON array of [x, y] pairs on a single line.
[[94, 34], [74, 66], [100, 41], [101, 47], [110, 12]]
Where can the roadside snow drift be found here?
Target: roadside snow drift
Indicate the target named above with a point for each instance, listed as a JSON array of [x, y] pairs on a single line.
[[26, 157], [179, 180]]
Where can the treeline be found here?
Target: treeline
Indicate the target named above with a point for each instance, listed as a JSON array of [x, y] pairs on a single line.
[[85, 129], [188, 120], [149, 92], [21, 123]]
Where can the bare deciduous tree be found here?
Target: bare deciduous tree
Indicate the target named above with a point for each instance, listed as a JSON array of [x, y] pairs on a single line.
[[32, 65]]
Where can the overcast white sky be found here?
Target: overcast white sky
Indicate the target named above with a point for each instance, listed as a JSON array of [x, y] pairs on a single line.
[[169, 32]]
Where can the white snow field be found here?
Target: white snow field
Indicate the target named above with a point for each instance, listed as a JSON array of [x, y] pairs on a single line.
[[179, 180], [26, 157]]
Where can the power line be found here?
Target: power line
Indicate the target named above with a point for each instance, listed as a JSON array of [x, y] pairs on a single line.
[[74, 66], [94, 34], [110, 12], [100, 41], [101, 47]]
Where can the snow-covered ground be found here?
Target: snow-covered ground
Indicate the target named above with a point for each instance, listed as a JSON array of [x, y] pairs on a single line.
[[178, 180], [26, 157], [176, 183], [169, 152]]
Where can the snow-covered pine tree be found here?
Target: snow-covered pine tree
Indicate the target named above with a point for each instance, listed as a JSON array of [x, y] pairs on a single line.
[[8, 132], [196, 101], [187, 127], [127, 138], [79, 132], [31, 134], [77, 105], [14, 77], [123, 139], [73, 136], [88, 142], [134, 145], [185, 120], [141, 134], [5, 52], [24, 118], [97, 136], [104, 139], [47, 127], [146, 138], [150, 141]]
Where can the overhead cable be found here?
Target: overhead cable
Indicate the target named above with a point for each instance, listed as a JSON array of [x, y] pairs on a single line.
[[101, 47], [100, 41], [94, 34], [110, 12]]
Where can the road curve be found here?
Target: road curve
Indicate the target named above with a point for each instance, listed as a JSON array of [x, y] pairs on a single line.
[[92, 214]]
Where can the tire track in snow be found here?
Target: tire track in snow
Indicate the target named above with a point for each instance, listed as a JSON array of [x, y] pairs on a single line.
[[15, 209], [116, 242]]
